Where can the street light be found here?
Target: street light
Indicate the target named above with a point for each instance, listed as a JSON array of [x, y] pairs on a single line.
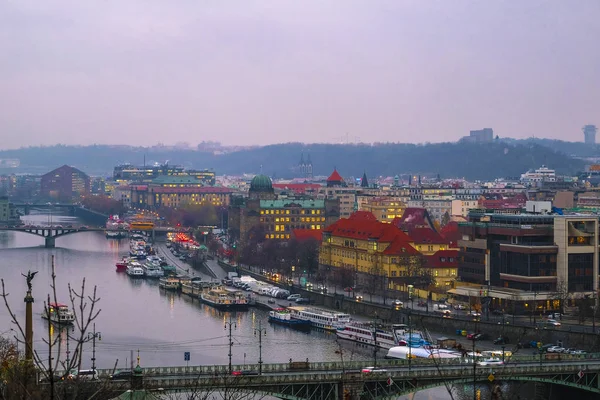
[[92, 336], [260, 331]]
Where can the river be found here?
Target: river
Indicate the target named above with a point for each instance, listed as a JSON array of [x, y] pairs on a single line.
[[136, 315]]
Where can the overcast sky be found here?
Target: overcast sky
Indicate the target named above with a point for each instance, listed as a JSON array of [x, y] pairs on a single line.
[[259, 72]]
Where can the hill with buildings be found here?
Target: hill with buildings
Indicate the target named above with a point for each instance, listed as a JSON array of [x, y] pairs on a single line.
[[468, 160]]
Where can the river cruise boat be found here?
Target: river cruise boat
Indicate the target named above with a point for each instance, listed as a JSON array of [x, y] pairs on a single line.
[[323, 319], [368, 333], [281, 316], [169, 283], [122, 265], [59, 314], [225, 299], [135, 270], [153, 271]]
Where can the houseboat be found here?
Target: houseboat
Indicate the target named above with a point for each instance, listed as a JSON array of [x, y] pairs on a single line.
[[225, 299], [152, 270], [135, 270], [323, 319], [169, 283], [282, 316], [59, 313]]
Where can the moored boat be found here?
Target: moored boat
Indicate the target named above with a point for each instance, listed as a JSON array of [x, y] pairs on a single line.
[[135, 270], [59, 313], [122, 265], [368, 333], [282, 316], [225, 299], [169, 283], [152, 270], [323, 319]]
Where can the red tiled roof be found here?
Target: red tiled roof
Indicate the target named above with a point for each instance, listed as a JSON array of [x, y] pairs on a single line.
[[413, 217], [364, 226], [450, 233], [425, 236], [335, 177], [435, 260], [307, 234]]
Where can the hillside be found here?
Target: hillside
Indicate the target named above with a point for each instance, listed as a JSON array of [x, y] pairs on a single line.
[[472, 161]]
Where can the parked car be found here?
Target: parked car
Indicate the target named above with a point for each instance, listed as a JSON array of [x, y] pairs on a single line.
[[552, 322], [555, 349], [475, 314], [482, 336], [372, 370], [302, 300], [578, 352], [460, 307], [294, 296], [471, 336], [501, 340]]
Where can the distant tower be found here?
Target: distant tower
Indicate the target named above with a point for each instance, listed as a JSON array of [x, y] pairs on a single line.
[[364, 182], [305, 167], [589, 133]]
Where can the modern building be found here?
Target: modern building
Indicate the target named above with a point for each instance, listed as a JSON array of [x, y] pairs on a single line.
[[65, 184], [276, 218], [525, 261], [130, 173], [485, 135], [589, 134], [379, 255]]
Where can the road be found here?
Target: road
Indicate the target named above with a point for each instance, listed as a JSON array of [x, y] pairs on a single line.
[[183, 267]]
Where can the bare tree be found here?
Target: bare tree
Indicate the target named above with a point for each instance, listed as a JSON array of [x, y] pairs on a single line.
[[55, 373]]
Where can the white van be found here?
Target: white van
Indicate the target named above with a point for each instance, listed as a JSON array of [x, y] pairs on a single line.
[[294, 297], [85, 374]]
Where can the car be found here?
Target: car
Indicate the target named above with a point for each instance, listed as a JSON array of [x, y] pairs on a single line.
[[555, 349], [322, 289], [372, 370], [501, 340], [460, 307], [397, 303], [552, 322], [482, 336], [471, 336], [490, 362], [84, 374], [348, 289], [122, 375], [554, 315], [294, 296], [244, 372], [578, 352], [302, 300], [475, 314], [309, 286], [569, 351], [358, 298]]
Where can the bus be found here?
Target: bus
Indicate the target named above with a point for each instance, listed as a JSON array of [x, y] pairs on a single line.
[[141, 226]]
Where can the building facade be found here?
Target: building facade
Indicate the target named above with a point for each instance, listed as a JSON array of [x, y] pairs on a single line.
[[589, 134], [529, 258], [65, 184], [8, 214], [385, 209], [130, 173]]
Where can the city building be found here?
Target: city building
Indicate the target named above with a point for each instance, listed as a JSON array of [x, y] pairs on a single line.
[[462, 207], [443, 267], [485, 135], [65, 184], [589, 134], [130, 173], [385, 209], [427, 241], [414, 217], [379, 255], [528, 262], [8, 213], [275, 217]]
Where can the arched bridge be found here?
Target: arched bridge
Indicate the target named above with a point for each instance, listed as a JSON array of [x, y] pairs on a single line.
[[50, 233], [335, 381]]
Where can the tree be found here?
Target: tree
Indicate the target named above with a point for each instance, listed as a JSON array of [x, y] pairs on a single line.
[[445, 219], [561, 294]]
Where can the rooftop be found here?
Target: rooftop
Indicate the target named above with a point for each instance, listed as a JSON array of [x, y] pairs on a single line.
[[293, 203]]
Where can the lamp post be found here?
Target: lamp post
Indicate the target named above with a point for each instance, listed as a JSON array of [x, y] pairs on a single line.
[[231, 326], [92, 336], [260, 332]]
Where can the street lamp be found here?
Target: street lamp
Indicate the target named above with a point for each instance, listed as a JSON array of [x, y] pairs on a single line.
[[92, 336], [260, 331]]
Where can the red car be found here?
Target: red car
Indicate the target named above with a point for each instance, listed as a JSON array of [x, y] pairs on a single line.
[[471, 335]]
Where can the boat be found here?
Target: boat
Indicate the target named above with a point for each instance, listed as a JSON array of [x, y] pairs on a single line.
[[169, 269], [406, 352], [59, 313], [169, 283], [368, 333], [282, 316], [152, 270], [323, 319], [405, 336], [122, 265], [135, 270], [225, 299]]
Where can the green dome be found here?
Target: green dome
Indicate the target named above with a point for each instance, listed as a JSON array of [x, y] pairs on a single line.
[[261, 183]]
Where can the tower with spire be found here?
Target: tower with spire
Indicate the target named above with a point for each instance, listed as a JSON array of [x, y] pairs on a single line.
[[364, 183], [305, 167]]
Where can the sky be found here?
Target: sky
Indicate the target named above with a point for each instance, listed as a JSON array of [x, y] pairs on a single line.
[[256, 72]]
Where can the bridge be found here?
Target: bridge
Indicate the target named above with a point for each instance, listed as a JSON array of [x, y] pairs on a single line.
[[339, 380]]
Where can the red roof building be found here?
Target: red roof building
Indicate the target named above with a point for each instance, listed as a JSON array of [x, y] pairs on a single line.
[[335, 179], [443, 267], [451, 234], [302, 235], [298, 188], [502, 201], [414, 217]]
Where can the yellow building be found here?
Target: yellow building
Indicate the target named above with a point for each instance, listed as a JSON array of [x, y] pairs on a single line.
[[427, 241], [369, 248], [385, 209]]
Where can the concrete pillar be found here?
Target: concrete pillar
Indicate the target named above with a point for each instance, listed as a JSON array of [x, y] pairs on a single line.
[[50, 242], [28, 326]]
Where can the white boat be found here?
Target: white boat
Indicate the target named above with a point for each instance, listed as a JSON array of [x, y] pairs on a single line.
[[135, 270], [59, 313], [225, 299], [368, 333], [323, 319], [152, 270], [405, 352]]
